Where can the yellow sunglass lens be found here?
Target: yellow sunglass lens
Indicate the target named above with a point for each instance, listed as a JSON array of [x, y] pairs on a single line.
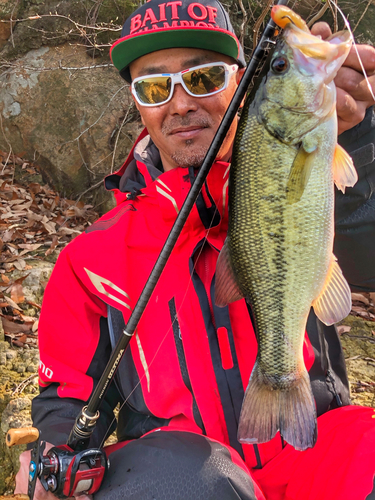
[[153, 90], [200, 81], [205, 80]]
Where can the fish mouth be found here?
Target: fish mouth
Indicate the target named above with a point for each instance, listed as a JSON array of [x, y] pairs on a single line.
[[321, 106], [305, 121], [300, 110]]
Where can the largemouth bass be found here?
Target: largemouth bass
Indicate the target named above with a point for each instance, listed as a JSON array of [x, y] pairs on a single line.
[[278, 252]]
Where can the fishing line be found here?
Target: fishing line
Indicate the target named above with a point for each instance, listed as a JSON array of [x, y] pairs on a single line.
[[195, 261], [355, 47]]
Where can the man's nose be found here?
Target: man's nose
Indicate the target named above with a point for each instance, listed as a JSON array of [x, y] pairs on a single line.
[[181, 102]]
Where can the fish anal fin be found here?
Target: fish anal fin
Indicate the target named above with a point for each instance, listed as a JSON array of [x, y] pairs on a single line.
[[267, 409], [344, 172], [299, 174], [226, 288], [334, 302]]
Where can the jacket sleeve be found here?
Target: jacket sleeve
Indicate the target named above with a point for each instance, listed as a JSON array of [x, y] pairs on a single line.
[[355, 210], [74, 349]]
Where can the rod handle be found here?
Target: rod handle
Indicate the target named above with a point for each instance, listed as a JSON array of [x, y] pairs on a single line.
[[22, 435], [17, 496]]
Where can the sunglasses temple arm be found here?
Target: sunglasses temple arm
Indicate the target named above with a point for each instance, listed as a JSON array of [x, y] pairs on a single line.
[[83, 427]]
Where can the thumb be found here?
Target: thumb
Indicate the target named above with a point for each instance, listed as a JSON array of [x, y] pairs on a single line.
[[321, 29]]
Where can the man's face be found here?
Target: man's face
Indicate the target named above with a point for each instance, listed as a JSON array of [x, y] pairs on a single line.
[[183, 128]]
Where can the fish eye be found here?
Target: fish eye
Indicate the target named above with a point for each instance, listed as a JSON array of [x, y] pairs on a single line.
[[280, 65]]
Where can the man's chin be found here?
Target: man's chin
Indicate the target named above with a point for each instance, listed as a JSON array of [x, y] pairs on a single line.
[[193, 158]]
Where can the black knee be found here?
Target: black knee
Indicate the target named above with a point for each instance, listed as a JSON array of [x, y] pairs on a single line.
[[173, 465]]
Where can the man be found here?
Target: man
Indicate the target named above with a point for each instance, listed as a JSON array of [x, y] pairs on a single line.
[[185, 372]]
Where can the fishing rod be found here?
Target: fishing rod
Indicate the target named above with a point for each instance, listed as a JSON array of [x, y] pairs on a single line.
[[66, 469]]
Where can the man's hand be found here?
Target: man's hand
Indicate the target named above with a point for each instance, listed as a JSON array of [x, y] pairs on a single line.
[[22, 480], [353, 94]]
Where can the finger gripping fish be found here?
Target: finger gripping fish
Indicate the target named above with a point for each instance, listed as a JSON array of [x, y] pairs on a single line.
[[278, 252]]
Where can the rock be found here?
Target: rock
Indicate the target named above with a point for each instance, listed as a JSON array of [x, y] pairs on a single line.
[[16, 414], [61, 106], [82, 112], [8, 10], [37, 277], [60, 18], [4, 346]]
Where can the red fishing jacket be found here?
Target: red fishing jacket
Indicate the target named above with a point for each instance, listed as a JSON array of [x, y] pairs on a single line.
[[190, 361]]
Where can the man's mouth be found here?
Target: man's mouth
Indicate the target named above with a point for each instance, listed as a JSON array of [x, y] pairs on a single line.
[[187, 132], [185, 128]]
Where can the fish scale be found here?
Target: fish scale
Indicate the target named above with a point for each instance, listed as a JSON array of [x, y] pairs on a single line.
[[281, 239], [278, 252]]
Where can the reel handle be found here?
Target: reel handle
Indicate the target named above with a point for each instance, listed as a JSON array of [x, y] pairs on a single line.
[[23, 435]]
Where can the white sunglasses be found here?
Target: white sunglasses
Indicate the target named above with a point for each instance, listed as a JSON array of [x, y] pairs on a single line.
[[200, 81]]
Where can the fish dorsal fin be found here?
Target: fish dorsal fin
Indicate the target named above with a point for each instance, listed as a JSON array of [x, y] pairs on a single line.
[[344, 172], [299, 174], [334, 302], [226, 288]]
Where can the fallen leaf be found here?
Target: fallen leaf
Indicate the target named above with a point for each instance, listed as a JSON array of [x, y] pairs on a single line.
[[68, 230], [17, 343], [12, 327], [30, 247], [343, 329], [34, 304], [8, 235], [12, 303], [360, 298], [20, 264], [54, 243], [16, 293], [22, 338], [35, 188], [50, 226]]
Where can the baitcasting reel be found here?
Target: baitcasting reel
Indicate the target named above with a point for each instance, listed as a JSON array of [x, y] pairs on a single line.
[[61, 470]]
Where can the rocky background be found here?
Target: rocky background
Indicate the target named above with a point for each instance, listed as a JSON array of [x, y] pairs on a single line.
[[63, 105], [66, 120]]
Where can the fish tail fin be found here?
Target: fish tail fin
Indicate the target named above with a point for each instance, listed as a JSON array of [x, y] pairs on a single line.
[[265, 410]]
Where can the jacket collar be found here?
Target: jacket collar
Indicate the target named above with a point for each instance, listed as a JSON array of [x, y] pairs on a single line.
[[142, 174]]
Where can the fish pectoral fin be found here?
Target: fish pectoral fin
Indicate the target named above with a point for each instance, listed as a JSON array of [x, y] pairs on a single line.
[[335, 301], [344, 172], [299, 175], [267, 409], [226, 288]]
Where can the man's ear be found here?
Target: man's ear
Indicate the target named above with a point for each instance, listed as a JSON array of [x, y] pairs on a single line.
[[239, 75], [139, 108]]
